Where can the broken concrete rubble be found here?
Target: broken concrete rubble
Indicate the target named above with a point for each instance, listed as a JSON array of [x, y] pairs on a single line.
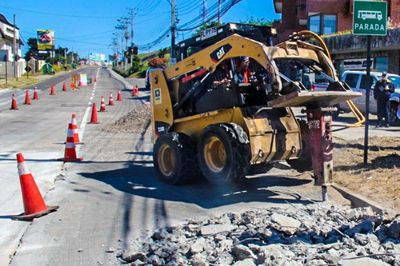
[[315, 234]]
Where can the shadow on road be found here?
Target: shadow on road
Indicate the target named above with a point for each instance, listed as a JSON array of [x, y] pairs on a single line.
[[138, 179]]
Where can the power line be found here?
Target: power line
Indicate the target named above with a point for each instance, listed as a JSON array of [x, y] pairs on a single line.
[[57, 14], [70, 40], [196, 22]]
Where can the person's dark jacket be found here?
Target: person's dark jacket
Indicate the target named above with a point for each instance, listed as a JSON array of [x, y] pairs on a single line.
[[380, 94]]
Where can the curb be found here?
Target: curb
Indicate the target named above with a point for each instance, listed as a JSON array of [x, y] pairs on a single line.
[[127, 85], [361, 201]]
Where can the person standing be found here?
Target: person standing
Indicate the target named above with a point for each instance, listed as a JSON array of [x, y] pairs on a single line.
[[382, 90], [242, 73]]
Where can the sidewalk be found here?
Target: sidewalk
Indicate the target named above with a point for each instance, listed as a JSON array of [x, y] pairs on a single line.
[[32, 80]]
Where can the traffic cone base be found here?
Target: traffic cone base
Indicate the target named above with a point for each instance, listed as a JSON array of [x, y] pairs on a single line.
[[30, 217], [34, 204]]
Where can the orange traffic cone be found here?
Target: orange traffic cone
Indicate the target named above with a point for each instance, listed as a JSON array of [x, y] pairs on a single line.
[[119, 96], [34, 204], [102, 105], [73, 130], [14, 105], [35, 94], [53, 90], [71, 85], [27, 98], [70, 150], [136, 91], [111, 99], [93, 118], [64, 86], [133, 92]]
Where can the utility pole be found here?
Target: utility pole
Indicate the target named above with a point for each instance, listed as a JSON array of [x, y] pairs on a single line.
[[173, 20], [204, 11], [132, 14], [219, 12], [15, 50]]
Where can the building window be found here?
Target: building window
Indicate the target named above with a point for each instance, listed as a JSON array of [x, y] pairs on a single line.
[[315, 24], [381, 64], [322, 24]]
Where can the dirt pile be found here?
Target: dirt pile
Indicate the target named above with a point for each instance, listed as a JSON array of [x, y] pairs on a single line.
[[135, 121], [315, 234], [380, 180]]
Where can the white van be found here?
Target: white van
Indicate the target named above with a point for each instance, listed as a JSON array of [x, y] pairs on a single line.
[[357, 81]]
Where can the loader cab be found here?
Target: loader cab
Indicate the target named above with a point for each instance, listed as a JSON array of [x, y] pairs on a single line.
[[207, 37], [224, 87]]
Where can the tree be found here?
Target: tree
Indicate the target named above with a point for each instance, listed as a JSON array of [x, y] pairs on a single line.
[[135, 65], [258, 22], [33, 49]]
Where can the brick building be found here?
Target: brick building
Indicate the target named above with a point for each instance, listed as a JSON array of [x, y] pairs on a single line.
[[327, 17]]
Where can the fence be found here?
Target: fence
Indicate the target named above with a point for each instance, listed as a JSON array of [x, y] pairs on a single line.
[[8, 68]]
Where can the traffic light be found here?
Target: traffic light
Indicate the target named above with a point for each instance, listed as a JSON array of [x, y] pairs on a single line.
[[135, 50]]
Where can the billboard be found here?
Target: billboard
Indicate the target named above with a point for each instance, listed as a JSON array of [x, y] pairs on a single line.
[[45, 40], [97, 57]]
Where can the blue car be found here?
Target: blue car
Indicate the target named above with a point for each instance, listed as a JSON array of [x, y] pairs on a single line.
[[395, 104]]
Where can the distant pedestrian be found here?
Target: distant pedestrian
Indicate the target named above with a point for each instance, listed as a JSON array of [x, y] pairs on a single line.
[[382, 90]]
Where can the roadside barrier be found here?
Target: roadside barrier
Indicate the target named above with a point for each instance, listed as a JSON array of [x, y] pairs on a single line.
[[35, 94], [27, 98], [14, 105], [64, 88], [102, 105], [119, 96], [34, 204], [93, 118], [53, 90], [111, 99]]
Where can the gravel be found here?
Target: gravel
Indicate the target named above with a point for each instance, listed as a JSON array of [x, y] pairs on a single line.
[[315, 234], [135, 121]]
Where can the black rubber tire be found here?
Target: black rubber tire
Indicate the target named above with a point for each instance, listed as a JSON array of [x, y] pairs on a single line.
[[182, 150], [237, 152], [393, 114], [304, 162]]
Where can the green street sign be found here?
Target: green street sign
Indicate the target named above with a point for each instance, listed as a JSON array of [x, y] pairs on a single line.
[[370, 18]]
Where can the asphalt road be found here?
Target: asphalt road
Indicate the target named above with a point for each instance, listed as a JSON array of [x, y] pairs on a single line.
[[112, 197]]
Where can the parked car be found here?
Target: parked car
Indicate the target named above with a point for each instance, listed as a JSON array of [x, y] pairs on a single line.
[[395, 105], [357, 81]]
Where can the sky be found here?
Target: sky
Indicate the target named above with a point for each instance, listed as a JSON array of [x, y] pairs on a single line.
[[88, 26]]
